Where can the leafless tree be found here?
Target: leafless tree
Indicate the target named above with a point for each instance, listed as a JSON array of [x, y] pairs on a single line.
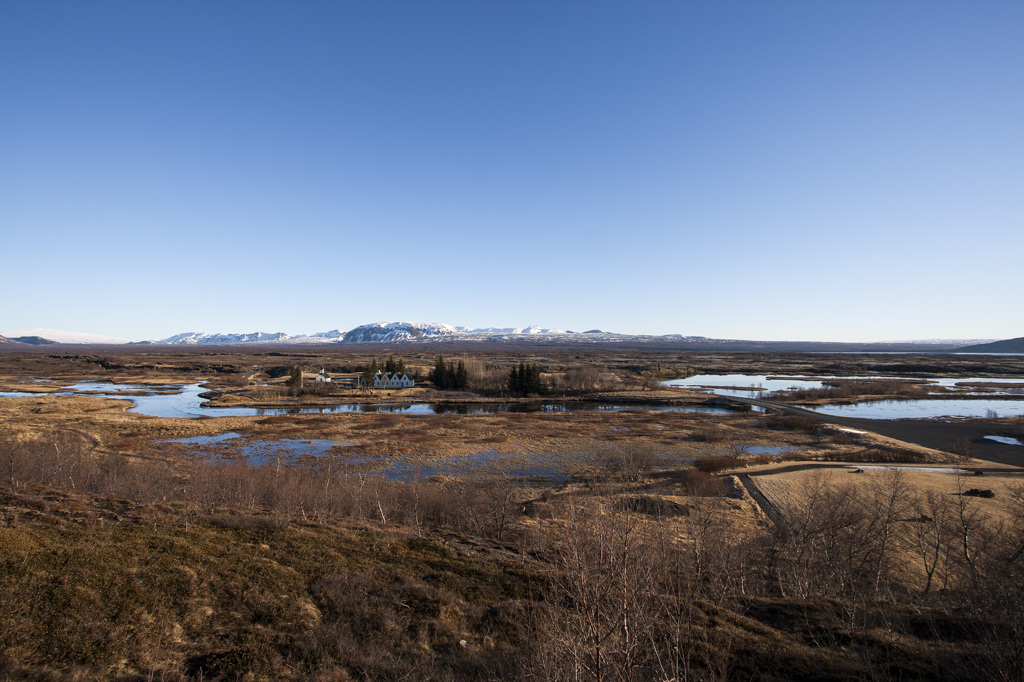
[[606, 576], [932, 536]]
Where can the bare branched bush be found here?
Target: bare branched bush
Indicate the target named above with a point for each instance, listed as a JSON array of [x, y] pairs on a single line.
[[714, 463], [581, 379], [932, 534], [790, 422], [821, 549], [699, 483], [605, 584], [631, 461], [713, 433], [837, 389]]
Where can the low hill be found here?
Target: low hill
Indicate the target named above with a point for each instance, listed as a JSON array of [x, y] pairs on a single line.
[[34, 340], [59, 336], [1007, 346]]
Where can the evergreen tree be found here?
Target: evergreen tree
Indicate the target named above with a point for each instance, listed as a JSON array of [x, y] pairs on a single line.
[[524, 379], [449, 376], [370, 371], [295, 381], [532, 382], [461, 376], [437, 376]]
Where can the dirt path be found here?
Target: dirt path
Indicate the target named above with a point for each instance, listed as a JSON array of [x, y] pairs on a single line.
[[763, 502]]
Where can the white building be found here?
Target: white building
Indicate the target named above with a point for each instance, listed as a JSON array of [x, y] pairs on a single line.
[[396, 380], [323, 377]]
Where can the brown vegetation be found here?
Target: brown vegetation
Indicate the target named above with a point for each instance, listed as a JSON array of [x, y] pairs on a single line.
[[124, 557]]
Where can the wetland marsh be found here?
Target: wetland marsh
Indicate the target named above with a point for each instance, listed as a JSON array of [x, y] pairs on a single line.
[[430, 503]]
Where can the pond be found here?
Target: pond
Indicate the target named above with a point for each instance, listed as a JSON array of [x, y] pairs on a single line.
[[478, 408], [754, 385], [757, 385], [234, 447], [768, 449], [489, 461], [744, 385], [934, 470], [187, 402], [1006, 440], [258, 452], [924, 409]]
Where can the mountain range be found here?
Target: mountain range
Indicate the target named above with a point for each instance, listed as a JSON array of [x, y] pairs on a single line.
[[405, 332], [426, 332]]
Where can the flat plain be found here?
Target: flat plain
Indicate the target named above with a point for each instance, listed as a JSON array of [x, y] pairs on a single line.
[[606, 527]]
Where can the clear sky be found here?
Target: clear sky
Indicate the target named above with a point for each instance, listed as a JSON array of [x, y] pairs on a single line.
[[841, 170]]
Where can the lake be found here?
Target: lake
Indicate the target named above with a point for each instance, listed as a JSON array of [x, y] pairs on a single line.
[[188, 403], [923, 409]]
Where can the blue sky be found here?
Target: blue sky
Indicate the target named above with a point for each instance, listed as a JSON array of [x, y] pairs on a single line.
[[762, 170]]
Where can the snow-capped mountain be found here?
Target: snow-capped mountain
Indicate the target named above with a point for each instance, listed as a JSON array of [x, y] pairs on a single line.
[[333, 335], [378, 332], [532, 329], [389, 332], [429, 332], [58, 336], [200, 338]]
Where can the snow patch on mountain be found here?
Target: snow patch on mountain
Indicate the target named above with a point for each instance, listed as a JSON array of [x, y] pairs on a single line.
[[532, 329], [389, 332], [201, 338], [333, 336]]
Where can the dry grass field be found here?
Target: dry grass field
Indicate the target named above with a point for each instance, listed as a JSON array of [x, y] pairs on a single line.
[[788, 486], [588, 544]]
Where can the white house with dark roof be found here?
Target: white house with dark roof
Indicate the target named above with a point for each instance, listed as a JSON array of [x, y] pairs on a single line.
[[323, 377], [396, 380]]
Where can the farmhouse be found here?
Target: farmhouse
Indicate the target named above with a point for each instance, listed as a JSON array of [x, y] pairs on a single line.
[[396, 380]]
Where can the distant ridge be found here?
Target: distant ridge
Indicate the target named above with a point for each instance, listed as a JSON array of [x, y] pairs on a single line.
[[440, 333], [1007, 346], [34, 340], [51, 336]]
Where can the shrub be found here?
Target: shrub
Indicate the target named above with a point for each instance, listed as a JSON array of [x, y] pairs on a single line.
[[701, 483], [709, 434], [790, 422], [716, 463]]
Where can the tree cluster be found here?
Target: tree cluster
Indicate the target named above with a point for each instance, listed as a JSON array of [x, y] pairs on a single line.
[[524, 379], [450, 376], [392, 365]]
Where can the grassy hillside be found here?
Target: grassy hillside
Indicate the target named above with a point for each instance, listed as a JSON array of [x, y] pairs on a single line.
[[100, 588]]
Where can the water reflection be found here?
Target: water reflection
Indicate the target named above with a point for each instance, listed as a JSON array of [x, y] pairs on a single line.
[[188, 402], [924, 409], [753, 385]]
